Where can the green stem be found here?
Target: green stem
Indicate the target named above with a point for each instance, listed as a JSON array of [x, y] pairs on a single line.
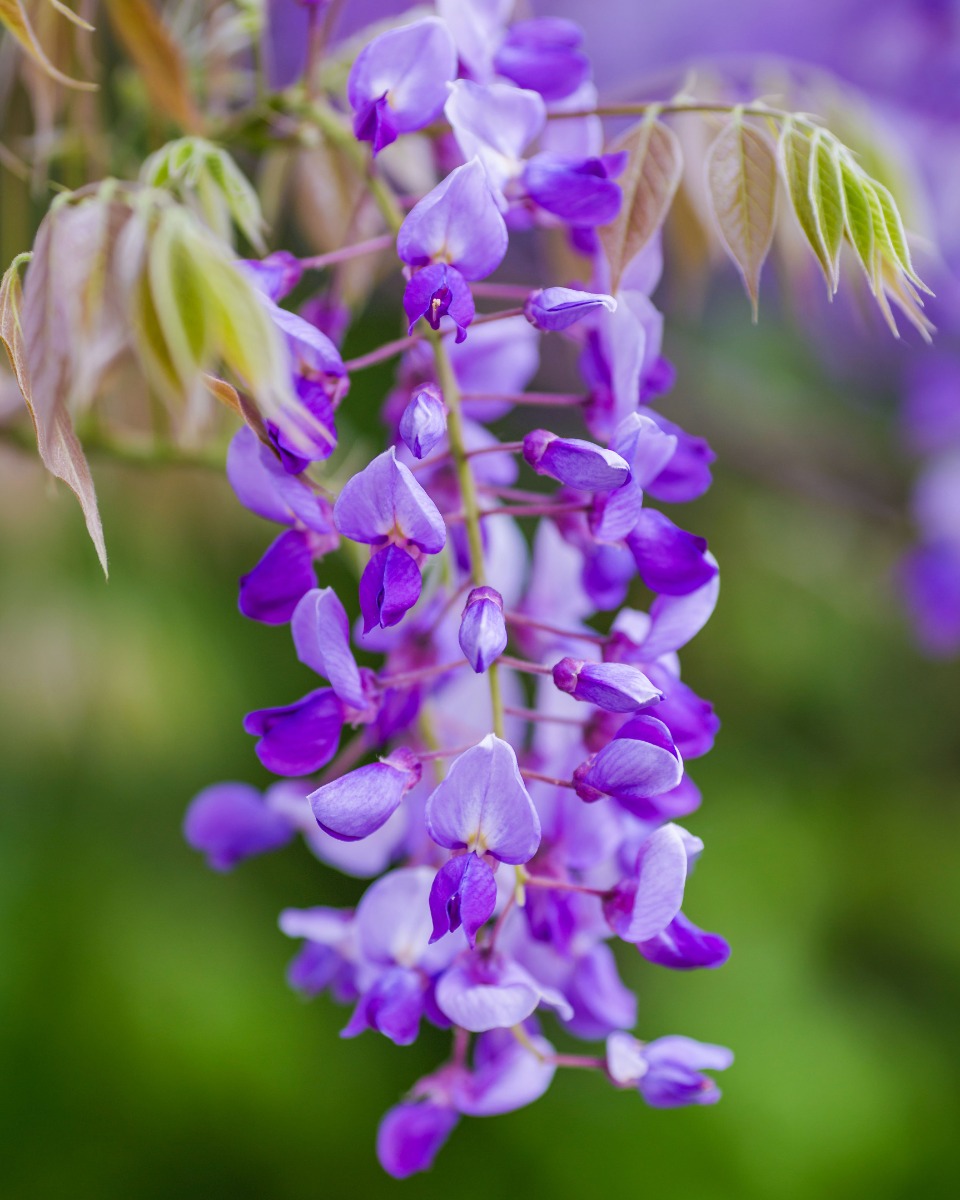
[[468, 493]]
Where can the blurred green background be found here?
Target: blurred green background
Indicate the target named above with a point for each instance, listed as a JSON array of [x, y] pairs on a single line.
[[148, 1044]]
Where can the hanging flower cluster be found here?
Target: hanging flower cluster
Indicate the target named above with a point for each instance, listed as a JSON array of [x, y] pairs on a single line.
[[515, 775]]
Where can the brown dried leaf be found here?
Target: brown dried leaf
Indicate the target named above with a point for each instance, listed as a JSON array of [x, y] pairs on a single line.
[[57, 442], [649, 184], [158, 58], [742, 182], [13, 15]]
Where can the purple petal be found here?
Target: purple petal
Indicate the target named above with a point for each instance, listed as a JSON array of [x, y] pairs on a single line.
[[577, 463], [507, 1075], [643, 906], [229, 822], [545, 55], [668, 559], [687, 474], [601, 1002], [576, 190], [275, 275], [438, 291], [262, 485], [673, 1078], [271, 591], [692, 722], [641, 761], [393, 918], [408, 68], [321, 636], [557, 308], [616, 687], [424, 421], [683, 947], [483, 805], [463, 893], [478, 27], [358, 803], [389, 587], [457, 223], [674, 620], [483, 631], [384, 500], [393, 1005], [410, 1136], [930, 581], [479, 993], [495, 123], [298, 738]]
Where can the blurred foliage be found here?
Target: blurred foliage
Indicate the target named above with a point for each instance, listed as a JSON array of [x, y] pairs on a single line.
[[148, 1044]]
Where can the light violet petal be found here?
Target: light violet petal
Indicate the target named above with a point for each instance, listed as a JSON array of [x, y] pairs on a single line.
[[321, 636]]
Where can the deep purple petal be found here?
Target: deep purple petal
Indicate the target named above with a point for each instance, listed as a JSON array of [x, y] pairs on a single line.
[[692, 722], [576, 190], [546, 55], [389, 587], [229, 822], [463, 893], [393, 1005], [298, 738], [271, 591], [682, 946], [641, 761], [669, 559], [410, 1136], [275, 275], [687, 474], [439, 291], [483, 805]]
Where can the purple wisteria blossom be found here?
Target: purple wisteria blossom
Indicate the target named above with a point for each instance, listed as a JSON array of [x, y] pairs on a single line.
[[398, 82], [497, 754]]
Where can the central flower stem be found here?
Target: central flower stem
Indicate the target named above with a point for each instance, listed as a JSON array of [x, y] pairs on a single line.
[[468, 494]]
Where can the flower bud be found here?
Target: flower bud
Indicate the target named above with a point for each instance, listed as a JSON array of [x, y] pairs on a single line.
[[617, 687], [483, 632], [558, 307], [577, 463], [424, 422]]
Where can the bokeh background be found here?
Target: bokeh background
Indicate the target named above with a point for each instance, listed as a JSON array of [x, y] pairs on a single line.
[[148, 1044]]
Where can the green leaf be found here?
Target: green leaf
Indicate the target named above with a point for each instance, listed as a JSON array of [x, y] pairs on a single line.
[[826, 199], [795, 166], [649, 183], [857, 221], [742, 185], [895, 232]]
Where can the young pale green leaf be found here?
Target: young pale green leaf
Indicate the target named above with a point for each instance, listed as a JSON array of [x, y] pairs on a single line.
[[742, 186], [14, 16], [826, 200], [895, 233], [857, 221], [794, 153], [649, 183], [179, 296], [57, 442]]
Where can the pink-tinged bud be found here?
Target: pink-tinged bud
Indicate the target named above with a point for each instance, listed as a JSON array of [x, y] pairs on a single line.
[[483, 631], [579, 464], [617, 687], [424, 421]]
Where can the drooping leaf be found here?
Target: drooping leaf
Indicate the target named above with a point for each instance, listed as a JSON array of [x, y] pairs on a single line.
[[14, 16], [857, 220], [158, 58], [794, 152], [742, 184], [57, 442], [896, 235], [649, 183], [826, 200]]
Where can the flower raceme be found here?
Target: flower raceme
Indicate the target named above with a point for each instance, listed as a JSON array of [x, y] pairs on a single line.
[[518, 762]]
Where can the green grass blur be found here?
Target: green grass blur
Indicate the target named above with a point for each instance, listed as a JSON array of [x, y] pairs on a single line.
[[149, 1047]]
